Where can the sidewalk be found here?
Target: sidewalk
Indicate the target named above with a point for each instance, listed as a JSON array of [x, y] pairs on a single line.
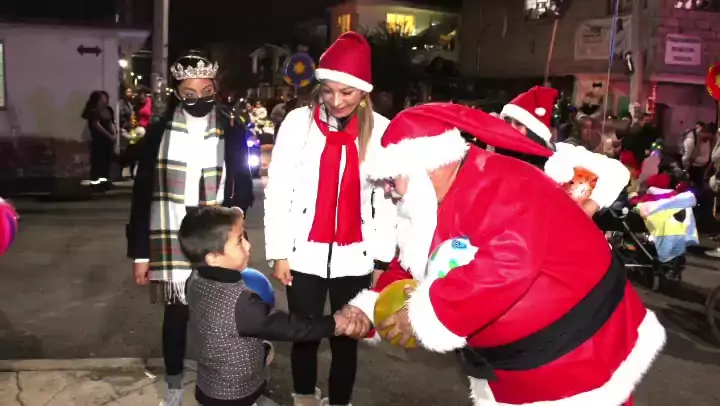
[[90, 382]]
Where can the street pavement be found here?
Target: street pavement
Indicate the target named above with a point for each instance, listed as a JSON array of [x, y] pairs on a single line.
[[66, 292]]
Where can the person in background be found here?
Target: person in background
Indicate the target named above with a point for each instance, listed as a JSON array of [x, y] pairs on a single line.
[[215, 241], [193, 156], [609, 144], [127, 109], [101, 122], [144, 108], [641, 137], [696, 153], [326, 227]]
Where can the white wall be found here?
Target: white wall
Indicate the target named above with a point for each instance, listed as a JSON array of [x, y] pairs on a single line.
[[48, 81]]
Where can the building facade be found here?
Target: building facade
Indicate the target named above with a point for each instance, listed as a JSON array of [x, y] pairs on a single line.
[[678, 41], [41, 99], [438, 25]]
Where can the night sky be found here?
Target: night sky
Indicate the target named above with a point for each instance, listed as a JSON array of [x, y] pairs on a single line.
[[193, 23]]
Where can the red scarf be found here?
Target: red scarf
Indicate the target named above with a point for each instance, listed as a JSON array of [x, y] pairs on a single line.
[[346, 203]]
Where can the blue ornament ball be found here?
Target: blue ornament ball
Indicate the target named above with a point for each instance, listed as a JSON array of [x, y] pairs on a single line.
[[260, 284]]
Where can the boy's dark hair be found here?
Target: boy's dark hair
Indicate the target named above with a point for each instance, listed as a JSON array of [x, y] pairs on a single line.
[[205, 231]]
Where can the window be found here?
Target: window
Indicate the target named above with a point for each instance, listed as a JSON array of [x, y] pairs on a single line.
[[535, 9], [701, 5], [344, 23], [401, 23], [3, 91]]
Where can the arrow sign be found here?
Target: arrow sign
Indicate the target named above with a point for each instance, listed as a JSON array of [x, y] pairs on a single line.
[[82, 50]]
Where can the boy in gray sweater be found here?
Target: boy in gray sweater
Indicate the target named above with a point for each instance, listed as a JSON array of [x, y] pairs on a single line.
[[228, 321]]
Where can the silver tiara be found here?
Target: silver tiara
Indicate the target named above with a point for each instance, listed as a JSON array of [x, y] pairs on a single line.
[[200, 71]]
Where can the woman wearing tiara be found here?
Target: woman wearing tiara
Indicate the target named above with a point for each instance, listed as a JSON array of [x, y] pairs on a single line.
[[195, 156]]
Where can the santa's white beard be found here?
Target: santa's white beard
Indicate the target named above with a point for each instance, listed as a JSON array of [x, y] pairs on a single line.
[[417, 219]]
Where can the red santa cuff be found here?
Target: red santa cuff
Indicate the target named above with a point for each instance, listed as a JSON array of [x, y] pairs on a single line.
[[373, 338], [430, 332], [365, 301]]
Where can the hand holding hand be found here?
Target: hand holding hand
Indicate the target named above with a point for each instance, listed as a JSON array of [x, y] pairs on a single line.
[[358, 324]]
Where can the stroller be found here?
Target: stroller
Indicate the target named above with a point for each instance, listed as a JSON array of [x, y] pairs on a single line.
[[659, 258], [631, 240]]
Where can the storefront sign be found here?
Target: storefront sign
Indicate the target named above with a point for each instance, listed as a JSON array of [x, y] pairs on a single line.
[[683, 50], [592, 39]]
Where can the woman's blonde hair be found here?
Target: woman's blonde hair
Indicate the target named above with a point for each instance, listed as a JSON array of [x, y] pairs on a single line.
[[364, 112]]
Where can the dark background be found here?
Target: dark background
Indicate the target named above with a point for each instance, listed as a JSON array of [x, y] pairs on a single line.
[[193, 23]]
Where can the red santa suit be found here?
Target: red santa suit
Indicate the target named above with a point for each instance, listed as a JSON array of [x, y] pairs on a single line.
[[542, 313]]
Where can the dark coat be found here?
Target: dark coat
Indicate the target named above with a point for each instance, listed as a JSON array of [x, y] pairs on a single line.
[[238, 184]]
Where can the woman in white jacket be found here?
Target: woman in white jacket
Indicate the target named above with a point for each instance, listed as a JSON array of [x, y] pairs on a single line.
[[326, 226]]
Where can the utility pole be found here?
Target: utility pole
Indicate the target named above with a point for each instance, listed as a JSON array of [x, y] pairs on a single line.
[[160, 53], [636, 46]]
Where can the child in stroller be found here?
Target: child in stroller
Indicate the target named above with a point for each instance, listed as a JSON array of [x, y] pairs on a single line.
[[651, 230]]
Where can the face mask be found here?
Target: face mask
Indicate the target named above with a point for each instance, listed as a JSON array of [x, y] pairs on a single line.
[[201, 108]]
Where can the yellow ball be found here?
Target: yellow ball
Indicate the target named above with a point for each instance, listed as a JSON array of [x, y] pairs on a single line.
[[390, 301]]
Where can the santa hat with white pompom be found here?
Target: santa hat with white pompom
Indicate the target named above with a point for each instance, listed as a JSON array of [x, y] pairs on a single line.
[[534, 110]]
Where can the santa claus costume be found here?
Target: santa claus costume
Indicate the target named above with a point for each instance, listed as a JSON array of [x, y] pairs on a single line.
[[542, 313]]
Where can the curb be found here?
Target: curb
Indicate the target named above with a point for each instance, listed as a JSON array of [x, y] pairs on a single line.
[[85, 364], [98, 364]]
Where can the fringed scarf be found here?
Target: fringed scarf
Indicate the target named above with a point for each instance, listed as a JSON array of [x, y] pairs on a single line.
[[168, 264], [337, 213]]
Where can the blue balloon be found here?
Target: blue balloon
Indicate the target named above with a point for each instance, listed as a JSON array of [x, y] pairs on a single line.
[[260, 284]]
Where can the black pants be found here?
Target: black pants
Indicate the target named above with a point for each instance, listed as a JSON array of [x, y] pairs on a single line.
[[174, 338], [697, 176], [306, 297], [101, 155]]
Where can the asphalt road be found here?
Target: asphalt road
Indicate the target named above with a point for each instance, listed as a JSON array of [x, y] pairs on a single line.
[[66, 291]]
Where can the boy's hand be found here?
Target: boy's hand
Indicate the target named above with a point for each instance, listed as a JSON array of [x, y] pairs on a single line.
[[358, 323]]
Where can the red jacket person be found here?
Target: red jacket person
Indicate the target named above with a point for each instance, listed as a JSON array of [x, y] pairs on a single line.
[[541, 312]]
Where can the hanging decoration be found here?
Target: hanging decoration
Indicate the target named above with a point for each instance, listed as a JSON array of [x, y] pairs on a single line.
[[712, 81], [299, 70]]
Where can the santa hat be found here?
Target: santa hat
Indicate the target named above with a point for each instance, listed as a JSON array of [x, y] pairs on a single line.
[[534, 110], [347, 61], [426, 137]]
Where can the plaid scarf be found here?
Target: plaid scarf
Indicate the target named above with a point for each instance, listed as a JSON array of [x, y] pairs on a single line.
[[168, 264]]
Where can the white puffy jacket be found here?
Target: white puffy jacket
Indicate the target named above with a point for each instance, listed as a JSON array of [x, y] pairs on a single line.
[[290, 198]]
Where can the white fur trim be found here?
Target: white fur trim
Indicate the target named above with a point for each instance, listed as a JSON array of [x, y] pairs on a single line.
[[373, 340], [411, 155], [528, 120], [429, 330], [344, 78], [365, 301], [616, 391], [559, 168]]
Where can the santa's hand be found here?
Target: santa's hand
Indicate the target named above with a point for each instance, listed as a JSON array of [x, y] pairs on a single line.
[[399, 324]]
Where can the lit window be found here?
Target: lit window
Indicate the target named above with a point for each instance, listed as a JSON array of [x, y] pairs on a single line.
[[702, 5], [537, 8], [3, 94], [401, 23], [344, 23]]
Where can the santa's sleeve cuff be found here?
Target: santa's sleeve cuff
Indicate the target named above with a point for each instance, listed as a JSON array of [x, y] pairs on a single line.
[[365, 301], [429, 330]]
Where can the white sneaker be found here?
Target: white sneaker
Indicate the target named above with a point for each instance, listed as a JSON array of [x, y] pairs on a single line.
[[173, 397], [326, 402]]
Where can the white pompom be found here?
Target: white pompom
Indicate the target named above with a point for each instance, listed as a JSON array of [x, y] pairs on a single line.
[[140, 131], [540, 111], [558, 169]]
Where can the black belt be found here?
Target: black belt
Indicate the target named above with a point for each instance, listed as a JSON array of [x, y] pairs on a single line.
[[554, 341]]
